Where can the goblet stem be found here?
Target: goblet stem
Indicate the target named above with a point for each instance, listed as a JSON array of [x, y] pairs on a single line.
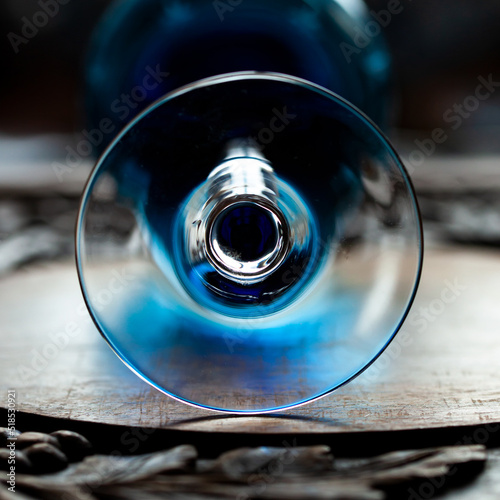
[[234, 221]]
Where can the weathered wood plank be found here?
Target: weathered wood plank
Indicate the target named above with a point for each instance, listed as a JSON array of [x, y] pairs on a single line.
[[441, 371]]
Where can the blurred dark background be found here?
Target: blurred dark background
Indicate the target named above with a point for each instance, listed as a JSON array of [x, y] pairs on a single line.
[[439, 49]]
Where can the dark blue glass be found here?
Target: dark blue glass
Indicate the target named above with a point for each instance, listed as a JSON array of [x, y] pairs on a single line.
[[248, 230], [144, 49]]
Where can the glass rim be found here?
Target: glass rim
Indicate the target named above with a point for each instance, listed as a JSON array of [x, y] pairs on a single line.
[[230, 78]]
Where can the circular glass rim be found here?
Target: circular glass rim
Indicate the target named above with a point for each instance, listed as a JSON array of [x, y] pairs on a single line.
[[252, 270], [228, 78]]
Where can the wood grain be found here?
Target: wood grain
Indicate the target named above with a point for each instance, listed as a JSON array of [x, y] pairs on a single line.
[[441, 371]]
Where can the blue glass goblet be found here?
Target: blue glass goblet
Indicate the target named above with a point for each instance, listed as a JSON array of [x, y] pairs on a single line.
[[267, 231]]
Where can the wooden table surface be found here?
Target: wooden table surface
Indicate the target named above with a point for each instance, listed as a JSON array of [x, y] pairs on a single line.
[[441, 371]]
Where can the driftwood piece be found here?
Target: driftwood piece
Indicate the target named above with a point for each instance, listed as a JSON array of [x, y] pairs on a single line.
[[100, 470], [485, 487], [288, 473], [5, 494], [238, 464]]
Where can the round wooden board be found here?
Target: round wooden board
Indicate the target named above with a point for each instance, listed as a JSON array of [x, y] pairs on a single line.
[[441, 371]]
